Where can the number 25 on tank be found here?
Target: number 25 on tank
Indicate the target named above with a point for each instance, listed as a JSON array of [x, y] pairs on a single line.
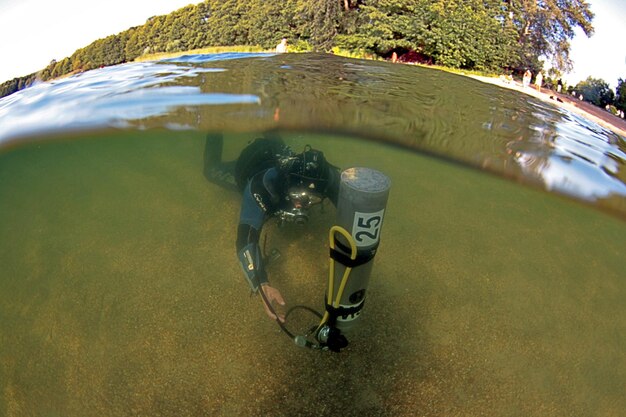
[[366, 228]]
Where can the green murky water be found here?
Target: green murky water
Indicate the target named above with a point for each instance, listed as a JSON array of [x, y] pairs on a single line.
[[121, 295]]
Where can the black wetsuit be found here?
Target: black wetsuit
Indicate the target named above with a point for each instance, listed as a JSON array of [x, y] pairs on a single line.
[[264, 195]]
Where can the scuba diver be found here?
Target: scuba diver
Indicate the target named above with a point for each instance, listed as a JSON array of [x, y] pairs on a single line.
[[277, 183]]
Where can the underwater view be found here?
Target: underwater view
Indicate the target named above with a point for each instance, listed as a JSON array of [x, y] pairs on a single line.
[[497, 289]]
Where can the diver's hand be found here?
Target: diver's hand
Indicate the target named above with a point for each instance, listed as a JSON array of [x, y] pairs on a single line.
[[272, 295]]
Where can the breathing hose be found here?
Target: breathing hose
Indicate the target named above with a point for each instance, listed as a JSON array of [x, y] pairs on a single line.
[[301, 340]]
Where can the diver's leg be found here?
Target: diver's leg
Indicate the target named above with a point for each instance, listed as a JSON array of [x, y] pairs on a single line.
[[215, 170], [212, 152], [274, 136]]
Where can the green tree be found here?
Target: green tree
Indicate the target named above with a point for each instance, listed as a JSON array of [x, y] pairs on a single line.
[[320, 22], [471, 34], [380, 26], [620, 95], [545, 27], [226, 23], [194, 26], [457, 33], [596, 91], [8, 87], [267, 21], [135, 43]]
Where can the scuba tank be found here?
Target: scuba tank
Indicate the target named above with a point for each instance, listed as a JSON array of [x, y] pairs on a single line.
[[363, 194], [362, 200]]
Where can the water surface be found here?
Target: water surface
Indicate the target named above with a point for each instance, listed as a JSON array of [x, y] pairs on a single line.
[[437, 113]]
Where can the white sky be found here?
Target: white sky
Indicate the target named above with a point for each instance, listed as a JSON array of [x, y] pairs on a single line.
[[33, 32], [604, 54]]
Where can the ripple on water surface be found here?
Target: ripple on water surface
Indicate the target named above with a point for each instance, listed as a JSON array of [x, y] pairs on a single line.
[[454, 117]]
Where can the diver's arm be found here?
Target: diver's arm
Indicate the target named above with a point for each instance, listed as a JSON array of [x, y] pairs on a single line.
[[256, 205], [251, 219], [212, 154], [272, 295], [250, 256], [215, 170], [249, 253], [251, 262]]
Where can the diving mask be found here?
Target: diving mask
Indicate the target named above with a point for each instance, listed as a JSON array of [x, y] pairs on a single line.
[[301, 200]]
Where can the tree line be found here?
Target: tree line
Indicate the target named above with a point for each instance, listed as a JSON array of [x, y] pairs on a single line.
[[482, 35], [597, 91]]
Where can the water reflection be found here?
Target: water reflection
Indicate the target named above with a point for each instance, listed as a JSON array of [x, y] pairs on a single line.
[[571, 158], [108, 97], [451, 116]]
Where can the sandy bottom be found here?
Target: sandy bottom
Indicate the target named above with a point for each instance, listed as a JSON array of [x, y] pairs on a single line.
[[120, 294]]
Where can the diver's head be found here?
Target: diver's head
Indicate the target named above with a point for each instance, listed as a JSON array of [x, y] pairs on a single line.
[[307, 177]]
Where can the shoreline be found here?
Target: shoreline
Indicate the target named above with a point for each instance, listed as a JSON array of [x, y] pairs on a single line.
[[589, 111], [586, 110]]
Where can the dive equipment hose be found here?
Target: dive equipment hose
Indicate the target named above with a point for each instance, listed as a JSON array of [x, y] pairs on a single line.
[[299, 340], [328, 319]]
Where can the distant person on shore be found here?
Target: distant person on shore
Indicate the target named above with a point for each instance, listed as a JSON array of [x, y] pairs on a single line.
[[281, 48], [506, 78], [526, 79], [539, 80], [394, 57], [559, 86]]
